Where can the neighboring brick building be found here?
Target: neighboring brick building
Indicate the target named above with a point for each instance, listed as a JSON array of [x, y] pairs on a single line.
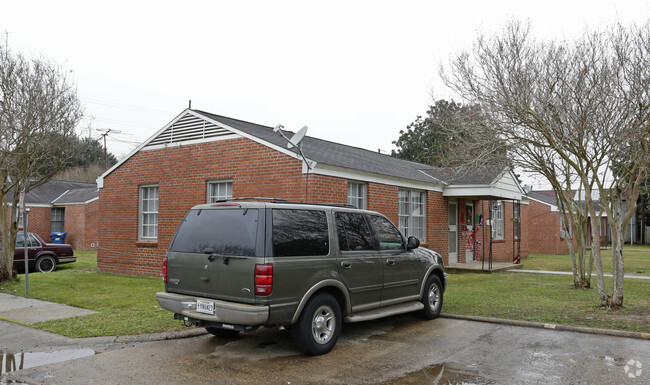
[[65, 206], [201, 157], [546, 231]]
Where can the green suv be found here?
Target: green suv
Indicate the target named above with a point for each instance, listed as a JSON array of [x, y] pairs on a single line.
[[235, 266]]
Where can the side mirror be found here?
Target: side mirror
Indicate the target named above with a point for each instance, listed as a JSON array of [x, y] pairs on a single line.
[[412, 243]]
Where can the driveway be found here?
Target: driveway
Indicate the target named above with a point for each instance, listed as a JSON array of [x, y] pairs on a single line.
[[397, 350]]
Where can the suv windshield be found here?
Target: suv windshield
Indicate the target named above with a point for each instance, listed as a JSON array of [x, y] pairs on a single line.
[[228, 232]]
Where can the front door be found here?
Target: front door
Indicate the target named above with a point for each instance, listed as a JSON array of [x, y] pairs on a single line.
[[469, 223], [453, 232]]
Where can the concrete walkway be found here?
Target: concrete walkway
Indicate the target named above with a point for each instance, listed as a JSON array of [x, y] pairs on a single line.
[[29, 311], [569, 273]]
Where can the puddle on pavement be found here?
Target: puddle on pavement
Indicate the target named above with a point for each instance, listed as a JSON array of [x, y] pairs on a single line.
[[442, 374], [11, 362]]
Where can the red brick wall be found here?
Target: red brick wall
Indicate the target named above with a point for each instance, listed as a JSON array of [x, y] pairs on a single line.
[[38, 221], [438, 224], [544, 230], [81, 225]]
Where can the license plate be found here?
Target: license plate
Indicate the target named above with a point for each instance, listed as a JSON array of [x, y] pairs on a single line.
[[203, 306]]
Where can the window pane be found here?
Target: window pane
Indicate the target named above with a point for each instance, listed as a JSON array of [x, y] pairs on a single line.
[[357, 195], [300, 233], [355, 232], [149, 212]]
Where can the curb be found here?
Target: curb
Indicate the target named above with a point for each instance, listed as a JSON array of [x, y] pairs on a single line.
[[194, 332], [579, 329]]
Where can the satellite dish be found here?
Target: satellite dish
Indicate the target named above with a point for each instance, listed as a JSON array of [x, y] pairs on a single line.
[[295, 140]]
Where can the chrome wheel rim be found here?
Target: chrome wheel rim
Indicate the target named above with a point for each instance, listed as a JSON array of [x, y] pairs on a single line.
[[323, 324], [434, 297], [46, 265]]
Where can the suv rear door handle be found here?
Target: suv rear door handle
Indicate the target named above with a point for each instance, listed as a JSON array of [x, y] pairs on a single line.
[[346, 264]]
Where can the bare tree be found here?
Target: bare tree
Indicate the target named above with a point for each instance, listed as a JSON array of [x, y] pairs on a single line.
[[39, 110], [565, 110]]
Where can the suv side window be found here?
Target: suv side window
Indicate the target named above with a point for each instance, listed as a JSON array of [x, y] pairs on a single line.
[[354, 232], [389, 237], [300, 233]]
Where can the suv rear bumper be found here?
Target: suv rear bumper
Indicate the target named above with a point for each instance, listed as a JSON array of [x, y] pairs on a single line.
[[224, 311]]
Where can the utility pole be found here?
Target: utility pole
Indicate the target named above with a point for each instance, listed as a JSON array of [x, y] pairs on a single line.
[[104, 135]]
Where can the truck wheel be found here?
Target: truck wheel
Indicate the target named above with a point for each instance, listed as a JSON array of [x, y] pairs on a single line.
[[222, 332], [319, 325], [432, 298], [45, 264]]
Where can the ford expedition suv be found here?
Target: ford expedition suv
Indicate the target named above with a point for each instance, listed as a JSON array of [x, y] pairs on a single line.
[[237, 265]]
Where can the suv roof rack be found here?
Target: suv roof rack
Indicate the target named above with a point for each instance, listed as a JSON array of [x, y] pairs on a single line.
[[284, 201], [349, 206], [276, 200]]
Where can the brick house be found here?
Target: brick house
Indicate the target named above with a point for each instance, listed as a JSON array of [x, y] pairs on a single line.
[[65, 206], [547, 234], [200, 157]]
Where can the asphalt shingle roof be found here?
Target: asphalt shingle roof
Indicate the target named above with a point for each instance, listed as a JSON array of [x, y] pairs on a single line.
[[336, 154], [53, 190]]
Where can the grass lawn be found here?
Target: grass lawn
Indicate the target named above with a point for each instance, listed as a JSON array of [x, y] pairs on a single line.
[[636, 259], [127, 304], [547, 299]]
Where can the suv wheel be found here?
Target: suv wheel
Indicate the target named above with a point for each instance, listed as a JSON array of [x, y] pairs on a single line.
[[319, 325], [432, 298], [222, 332], [45, 264]]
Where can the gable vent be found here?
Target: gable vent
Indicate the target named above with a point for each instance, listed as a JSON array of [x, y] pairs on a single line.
[[190, 128]]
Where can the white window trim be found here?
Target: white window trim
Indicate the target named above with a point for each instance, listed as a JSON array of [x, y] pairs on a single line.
[[498, 224], [410, 215], [363, 197], [214, 182], [55, 220], [141, 213]]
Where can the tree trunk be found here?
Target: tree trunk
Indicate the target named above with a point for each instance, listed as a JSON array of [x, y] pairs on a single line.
[[7, 272], [594, 219]]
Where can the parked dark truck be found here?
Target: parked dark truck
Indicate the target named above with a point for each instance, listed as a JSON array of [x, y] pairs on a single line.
[[235, 266]]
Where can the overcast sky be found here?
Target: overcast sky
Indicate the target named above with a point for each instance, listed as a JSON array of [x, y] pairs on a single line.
[[355, 72]]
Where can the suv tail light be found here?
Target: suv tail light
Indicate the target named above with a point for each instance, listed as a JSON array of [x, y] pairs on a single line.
[[164, 270], [263, 279]]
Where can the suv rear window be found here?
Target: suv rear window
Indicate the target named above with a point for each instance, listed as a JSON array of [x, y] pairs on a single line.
[[228, 232], [299, 233]]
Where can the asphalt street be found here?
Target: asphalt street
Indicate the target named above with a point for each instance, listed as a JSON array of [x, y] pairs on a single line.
[[396, 350]]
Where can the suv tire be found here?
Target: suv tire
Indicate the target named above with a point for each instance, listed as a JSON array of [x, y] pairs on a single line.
[[432, 298], [45, 264], [222, 332], [319, 325]]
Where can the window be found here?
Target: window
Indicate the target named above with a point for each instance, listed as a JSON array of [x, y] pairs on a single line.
[[227, 232], [20, 240], [412, 213], [357, 195], [563, 228], [57, 219], [388, 236], [354, 232], [148, 226], [497, 224], [300, 233], [219, 190]]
